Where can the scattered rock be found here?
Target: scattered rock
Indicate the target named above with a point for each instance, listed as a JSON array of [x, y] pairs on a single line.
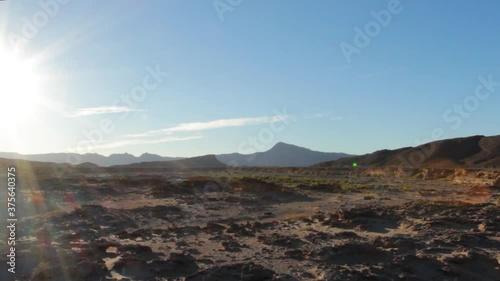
[[295, 254], [214, 228], [239, 272], [281, 241], [232, 246], [241, 230], [353, 253], [318, 237]]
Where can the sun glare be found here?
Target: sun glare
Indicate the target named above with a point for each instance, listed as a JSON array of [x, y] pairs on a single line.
[[19, 89]]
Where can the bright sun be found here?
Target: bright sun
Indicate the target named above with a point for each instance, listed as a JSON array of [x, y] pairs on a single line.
[[19, 94]]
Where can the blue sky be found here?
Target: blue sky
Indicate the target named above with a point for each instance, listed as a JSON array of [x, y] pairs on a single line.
[[245, 75]]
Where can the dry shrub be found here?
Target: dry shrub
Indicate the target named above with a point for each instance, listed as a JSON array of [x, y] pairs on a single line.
[[298, 216], [369, 197], [449, 203], [252, 184]]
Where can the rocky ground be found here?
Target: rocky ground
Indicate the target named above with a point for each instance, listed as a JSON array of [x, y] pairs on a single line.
[[204, 228]]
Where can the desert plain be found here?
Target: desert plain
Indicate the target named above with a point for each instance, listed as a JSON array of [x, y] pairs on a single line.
[[256, 224]]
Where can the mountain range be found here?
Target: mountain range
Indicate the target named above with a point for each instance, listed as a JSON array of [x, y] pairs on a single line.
[[468, 152], [98, 159], [281, 155]]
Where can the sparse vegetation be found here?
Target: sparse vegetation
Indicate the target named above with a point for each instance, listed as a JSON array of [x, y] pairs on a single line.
[[369, 197], [280, 201], [298, 216], [405, 187]]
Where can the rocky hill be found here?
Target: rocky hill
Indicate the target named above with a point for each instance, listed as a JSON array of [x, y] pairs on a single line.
[[468, 152]]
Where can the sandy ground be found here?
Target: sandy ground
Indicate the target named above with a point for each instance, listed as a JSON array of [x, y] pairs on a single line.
[[154, 227]]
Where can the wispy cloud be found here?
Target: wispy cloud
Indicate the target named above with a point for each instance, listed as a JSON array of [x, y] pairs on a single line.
[[102, 110], [316, 115], [337, 118], [215, 124], [131, 142]]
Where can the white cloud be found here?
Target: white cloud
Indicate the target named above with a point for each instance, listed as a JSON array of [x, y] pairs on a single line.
[[215, 124], [337, 118], [170, 139], [319, 115], [316, 115], [102, 110]]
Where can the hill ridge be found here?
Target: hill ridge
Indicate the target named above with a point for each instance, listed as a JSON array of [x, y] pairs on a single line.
[[474, 151]]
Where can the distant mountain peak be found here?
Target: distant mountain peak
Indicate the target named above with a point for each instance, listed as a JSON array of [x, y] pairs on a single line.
[[284, 144], [281, 146], [121, 154], [281, 155]]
